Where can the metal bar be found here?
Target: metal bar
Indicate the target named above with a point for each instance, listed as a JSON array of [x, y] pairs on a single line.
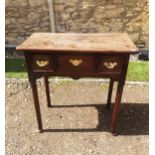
[[10, 46], [51, 14]]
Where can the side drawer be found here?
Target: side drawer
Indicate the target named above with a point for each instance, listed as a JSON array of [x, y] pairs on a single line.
[[42, 63], [110, 64]]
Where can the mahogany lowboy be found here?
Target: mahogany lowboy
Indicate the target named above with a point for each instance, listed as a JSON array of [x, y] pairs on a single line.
[[50, 54]]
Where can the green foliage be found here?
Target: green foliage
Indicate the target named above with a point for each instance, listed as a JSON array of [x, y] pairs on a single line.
[[138, 71], [15, 68]]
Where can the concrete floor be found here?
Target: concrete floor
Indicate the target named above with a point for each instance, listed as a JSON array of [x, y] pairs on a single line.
[[78, 123]]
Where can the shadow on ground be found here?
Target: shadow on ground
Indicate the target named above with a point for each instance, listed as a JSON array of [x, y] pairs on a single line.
[[134, 119]]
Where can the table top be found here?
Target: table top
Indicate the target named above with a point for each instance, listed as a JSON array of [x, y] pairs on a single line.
[[80, 42]]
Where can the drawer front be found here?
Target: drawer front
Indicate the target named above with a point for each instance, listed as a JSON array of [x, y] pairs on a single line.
[[77, 65], [42, 63], [76, 62], [110, 64]]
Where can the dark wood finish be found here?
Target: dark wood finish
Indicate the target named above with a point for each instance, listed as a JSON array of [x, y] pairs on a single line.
[[116, 108], [110, 93], [47, 91], [67, 61], [78, 55], [119, 92], [112, 59], [36, 103], [42, 58]]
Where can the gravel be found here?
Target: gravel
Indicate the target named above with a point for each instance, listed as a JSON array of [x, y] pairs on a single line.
[[78, 123]]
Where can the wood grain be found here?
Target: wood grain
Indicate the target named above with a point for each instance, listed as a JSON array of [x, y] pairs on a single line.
[[79, 42]]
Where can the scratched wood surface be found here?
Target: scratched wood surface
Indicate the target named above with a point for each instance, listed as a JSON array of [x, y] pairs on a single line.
[[81, 42]]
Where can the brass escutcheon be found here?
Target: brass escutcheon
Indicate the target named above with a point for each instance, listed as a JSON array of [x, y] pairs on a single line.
[[110, 65], [75, 62], [42, 63]]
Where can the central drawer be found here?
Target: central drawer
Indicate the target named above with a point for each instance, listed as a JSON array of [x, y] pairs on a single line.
[[75, 62]]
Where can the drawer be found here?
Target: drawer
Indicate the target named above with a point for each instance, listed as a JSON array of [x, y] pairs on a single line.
[[76, 62], [110, 64], [42, 63]]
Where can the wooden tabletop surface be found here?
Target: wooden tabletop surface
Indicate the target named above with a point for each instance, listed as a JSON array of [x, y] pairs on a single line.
[[86, 42]]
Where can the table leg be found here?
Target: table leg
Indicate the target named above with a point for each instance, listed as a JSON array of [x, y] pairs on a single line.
[[36, 103], [116, 108], [110, 93], [47, 91]]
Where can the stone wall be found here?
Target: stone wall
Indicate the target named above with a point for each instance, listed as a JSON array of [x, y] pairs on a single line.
[[26, 16], [103, 16]]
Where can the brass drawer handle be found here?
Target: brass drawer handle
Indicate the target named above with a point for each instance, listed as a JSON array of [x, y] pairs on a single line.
[[42, 63], [75, 62], [110, 65]]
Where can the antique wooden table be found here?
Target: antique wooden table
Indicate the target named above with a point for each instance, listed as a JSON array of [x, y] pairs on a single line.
[[78, 55]]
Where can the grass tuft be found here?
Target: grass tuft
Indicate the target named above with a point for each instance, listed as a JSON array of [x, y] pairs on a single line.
[[138, 71]]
